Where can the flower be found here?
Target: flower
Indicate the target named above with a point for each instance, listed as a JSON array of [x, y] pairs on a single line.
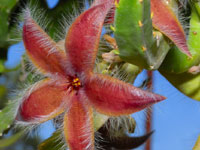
[[70, 86]]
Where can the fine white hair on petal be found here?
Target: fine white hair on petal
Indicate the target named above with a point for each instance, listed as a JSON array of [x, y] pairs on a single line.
[[24, 93], [16, 98], [86, 129], [43, 41], [67, 20]]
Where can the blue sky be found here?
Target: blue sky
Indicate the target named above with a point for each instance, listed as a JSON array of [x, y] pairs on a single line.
[[175, 121]]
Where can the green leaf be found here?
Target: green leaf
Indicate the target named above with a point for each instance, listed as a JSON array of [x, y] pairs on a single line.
[[134, 35], [7, 4], [52, 143], [6, 117], [11, 140], [6, 7], [3, 27]]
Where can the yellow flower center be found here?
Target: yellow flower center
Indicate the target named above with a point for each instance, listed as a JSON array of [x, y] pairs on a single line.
[[76, 83]]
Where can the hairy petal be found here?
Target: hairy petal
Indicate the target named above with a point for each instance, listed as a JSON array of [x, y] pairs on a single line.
[[83, 37], [166, 22], [41, 49], [78, 127], [45, 100], [114, 97]]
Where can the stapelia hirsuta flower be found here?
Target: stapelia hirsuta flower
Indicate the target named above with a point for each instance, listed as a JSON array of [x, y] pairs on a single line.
[[70, 86]]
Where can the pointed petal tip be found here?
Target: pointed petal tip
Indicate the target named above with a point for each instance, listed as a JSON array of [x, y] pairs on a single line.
[[119, 98], [188, 54], [150, 100], [185, 49], [158, 98], [162, 98]]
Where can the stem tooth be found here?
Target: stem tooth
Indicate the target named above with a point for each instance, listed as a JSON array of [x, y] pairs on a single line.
[[140, 23]]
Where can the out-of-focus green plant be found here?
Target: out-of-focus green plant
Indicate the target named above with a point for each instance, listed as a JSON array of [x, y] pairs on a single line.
[[11, 140], [6, 8], [10, 10]]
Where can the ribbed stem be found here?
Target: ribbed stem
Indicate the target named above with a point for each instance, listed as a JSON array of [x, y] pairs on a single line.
[[149, 110]]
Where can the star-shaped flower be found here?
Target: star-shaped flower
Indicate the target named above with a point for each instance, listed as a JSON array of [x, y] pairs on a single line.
[[71, 87]]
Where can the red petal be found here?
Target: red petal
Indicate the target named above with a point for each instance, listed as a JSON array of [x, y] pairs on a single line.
[[47, 99], [111, 96], [83, 37], [41, 49], [166, 22], [78, 126]]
